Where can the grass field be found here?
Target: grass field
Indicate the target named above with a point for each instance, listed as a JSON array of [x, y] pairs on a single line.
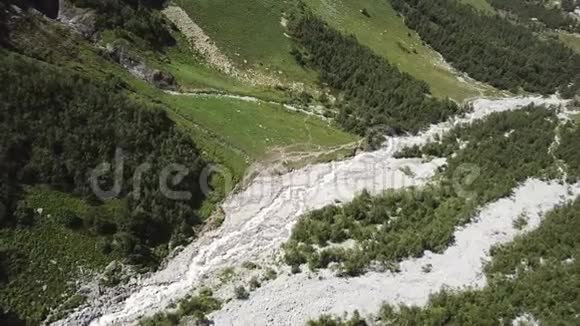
[[249, 30], [191, 73], [240, 132], [387, 35]]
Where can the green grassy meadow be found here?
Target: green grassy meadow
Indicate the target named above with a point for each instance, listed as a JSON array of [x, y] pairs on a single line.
[[249, 31], [247, 131], [193, 74]]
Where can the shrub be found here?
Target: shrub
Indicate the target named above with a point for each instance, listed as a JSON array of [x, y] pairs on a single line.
[[24, 215], [270, 274], [254, 283], [295, 269], [241, 293], [70, 220]]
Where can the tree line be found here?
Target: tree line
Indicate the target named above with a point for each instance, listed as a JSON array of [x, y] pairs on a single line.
[[57, 126], [491, 157], [375, 98], [491, 49]]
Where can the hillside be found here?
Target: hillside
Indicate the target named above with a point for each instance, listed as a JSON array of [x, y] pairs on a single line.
[[205, 121], [258, 162], [385, 33]]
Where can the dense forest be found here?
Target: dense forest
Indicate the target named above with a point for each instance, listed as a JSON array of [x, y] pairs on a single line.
[[133, 16], [57, 127], [497, 154], [491, 49], [376, 96], [553, 18]]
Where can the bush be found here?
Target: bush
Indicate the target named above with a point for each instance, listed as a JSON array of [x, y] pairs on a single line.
[[198, 306], [24, 215], [327, 320], [249, 265], [124, 243], [254, 283], [295, 269], [70, 220], [241, 293], [270, 274], [104, 245]]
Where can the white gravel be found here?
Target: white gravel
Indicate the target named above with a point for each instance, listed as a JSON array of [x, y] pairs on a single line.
[[292, 300], [259, 219]]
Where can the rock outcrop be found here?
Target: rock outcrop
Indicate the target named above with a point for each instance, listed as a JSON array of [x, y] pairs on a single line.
[[138, 68], [81, 20]]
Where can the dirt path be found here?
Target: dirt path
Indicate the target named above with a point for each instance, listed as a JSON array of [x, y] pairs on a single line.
[[251, 99]]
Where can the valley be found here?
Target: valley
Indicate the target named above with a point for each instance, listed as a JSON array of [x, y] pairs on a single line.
[[273, 203], [318, 162]]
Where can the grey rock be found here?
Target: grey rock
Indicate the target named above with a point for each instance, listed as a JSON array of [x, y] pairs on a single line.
[[112, 267], [81, 20], [161, 79], [118, 52]]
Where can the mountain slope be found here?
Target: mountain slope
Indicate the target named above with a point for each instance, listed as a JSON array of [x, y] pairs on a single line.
[[386, 34]]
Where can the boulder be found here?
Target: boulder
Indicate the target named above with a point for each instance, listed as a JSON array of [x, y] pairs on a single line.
[[161, 79], [81, 20]]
